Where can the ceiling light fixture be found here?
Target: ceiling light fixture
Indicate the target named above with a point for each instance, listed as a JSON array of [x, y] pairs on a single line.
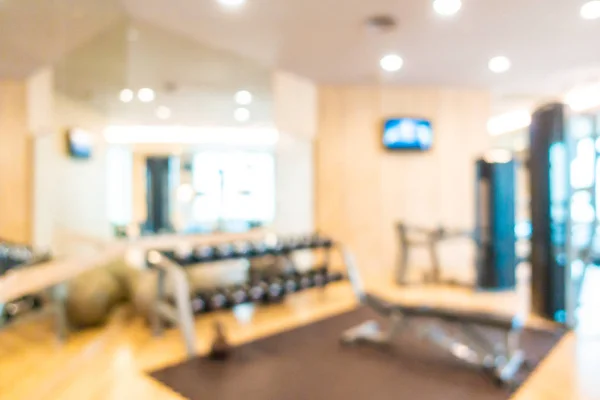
[[243, 97], [391, 62], [509, 122], [590, 10], [163, 112], [583, 99], [447, 7], [499, 64], [126, 95], [232, 3], [241, 114], [146, 95]]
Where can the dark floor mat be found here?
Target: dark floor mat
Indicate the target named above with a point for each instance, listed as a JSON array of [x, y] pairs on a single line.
[[309, 363]]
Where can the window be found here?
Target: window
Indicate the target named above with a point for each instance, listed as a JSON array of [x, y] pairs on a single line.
[[119, 185]]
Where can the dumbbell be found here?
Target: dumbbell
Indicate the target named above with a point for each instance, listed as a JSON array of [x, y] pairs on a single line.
[[275, 248], [183, 256], [319, 276], [290, 284], [275, 291], [218, 300], [224, 251], [242, 249], [258, 291], [258, 249], [335, 277], [199, 303], [304, 280], [237, 295], [204, 254], [319, 241], [19, 307]]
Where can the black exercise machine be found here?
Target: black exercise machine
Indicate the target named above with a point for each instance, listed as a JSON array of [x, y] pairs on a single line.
[[501, 361]]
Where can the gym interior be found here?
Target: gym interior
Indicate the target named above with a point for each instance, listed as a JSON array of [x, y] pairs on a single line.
[[289, 199]]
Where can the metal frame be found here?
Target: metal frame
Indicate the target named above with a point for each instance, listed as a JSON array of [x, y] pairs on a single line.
[[502, 361], [432, 238], [57, 295], [179, 314]]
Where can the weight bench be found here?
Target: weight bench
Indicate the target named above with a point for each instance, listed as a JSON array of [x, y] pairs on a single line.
[[501, 361]]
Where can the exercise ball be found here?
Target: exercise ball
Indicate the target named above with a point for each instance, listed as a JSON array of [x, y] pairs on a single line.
[[91, 297], [123, 272]]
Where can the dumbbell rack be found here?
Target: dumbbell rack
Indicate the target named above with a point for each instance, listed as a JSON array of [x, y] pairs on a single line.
[[180, 308]]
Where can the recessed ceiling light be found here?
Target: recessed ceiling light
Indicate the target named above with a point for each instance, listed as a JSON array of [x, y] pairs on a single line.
[[146, 95], [499, 64], [243, 97], [232, 3], [591, 10], [126, 95], [241, 114], [447, 7], [391, 62], [163, 112]]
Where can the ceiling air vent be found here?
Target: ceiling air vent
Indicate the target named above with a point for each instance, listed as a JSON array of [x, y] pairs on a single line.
[[381, 23]]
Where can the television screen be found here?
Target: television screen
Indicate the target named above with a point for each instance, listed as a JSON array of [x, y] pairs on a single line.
[[407, 134], [79, 143]]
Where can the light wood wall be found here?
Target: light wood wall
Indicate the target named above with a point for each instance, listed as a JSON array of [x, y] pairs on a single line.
[[15, 163], [363, 190]]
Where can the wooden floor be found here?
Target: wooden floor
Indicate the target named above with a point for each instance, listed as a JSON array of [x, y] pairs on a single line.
[[109, 363]]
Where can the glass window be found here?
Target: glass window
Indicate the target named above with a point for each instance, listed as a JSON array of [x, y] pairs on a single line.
[[119, 184], [234, 188]]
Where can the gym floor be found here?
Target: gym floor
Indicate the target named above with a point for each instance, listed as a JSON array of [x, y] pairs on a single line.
[[110, 362]]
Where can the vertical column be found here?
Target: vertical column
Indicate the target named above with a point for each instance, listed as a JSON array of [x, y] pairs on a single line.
[[495, 227], [15, 163], [549, 182], [158, 194], [295, 103]]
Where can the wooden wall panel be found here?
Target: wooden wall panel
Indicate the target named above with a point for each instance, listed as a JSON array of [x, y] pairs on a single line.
[[363, 190], [15, 163]]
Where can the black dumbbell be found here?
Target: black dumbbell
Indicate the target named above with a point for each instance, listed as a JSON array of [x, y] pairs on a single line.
[[290, 284], [335, 277], [204, 254], [319, 276], [304, 280], [258, 249], [275, 291], [218, 300], [224, 251], [237, 295], [199, 303], [242, 249], [258, 291]]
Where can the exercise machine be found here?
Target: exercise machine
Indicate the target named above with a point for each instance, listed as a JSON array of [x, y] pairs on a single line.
[[493, 235], [411, 237], [500, 361]]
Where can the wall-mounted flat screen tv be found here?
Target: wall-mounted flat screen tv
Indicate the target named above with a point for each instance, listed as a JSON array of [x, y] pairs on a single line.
[[407, 134], [79, 143]]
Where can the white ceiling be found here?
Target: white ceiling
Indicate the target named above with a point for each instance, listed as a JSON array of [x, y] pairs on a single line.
[[197, 83], [325, 39], [550, 46]]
